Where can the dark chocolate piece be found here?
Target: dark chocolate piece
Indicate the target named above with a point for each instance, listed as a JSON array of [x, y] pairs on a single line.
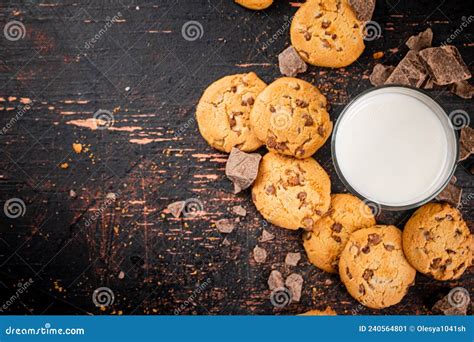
[[451, 194], [462, 89], [466, 143], [410, 71], [291, 63], [364, 9], [444, 64], [380, 74], [420, 41], [242, 168]]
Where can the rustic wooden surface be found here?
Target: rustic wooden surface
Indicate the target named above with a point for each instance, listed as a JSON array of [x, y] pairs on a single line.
[[144, 71]]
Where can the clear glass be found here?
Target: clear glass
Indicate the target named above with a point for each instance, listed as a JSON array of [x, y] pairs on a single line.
[[452, 147]]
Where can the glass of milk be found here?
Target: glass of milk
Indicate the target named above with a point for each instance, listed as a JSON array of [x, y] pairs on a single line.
[[394, 146]]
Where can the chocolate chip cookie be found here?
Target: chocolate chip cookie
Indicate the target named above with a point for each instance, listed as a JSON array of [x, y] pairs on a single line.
[[326, 241], [224, 109], [254, 4], [290, 117], [437, 241], [373, 267], [327, 33], [291, 193]]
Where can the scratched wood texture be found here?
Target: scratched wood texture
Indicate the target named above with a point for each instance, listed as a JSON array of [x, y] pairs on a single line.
[[143, 71]]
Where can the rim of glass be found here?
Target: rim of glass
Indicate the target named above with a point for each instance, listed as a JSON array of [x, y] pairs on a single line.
[[354, 191]]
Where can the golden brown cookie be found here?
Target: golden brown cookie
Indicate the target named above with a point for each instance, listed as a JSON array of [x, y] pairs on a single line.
[[224, 109], [373, 267], [291, 193], [326, 312], [327, 33], [326, 241], [290, 117], [254, 4], [437, 241]]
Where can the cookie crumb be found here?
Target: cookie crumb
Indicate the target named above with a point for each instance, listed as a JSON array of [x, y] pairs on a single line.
[[242, 168], [72, 194], [290, 62], [462, 89], [445, 64], [455, 303], [294, 283], [378, 54], [420, 41], [259, 254], [239, 210], [64, 166], [292, 259], [266, 236], [225, 226], [77, 147], [326, 312], [176, 208], [380, 74], [275, 280]]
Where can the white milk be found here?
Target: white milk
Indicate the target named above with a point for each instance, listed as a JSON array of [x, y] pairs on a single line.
[[395, 146]]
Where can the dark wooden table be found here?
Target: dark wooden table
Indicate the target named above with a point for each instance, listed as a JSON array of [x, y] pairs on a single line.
[[130, 58]]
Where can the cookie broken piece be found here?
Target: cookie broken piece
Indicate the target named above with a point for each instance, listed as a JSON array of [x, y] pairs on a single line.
[[242, 168], [176, 208], [294, 283], [410, 71], [290, 62], [466, 143], [420, 41], [451, 193], [445, 64], [225, 226], [380, 74], [326, 312], [364, 9], [462, 89]]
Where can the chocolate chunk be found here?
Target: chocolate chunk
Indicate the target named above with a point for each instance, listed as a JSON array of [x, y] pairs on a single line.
[[374, 239], [410, 71], [456, 303], [466, 143], [420, 41], [176, 208], [389, 247], [225, 226], [445, 65], [429, 84], [368, 273], [266, 236], [380, 74], [275, 280], [294, 283], [292, 259], [364, 9], [291, 63], [337, 227], [462, 89], [239, 210], [259, 254], [451, 194], [242, 168]]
